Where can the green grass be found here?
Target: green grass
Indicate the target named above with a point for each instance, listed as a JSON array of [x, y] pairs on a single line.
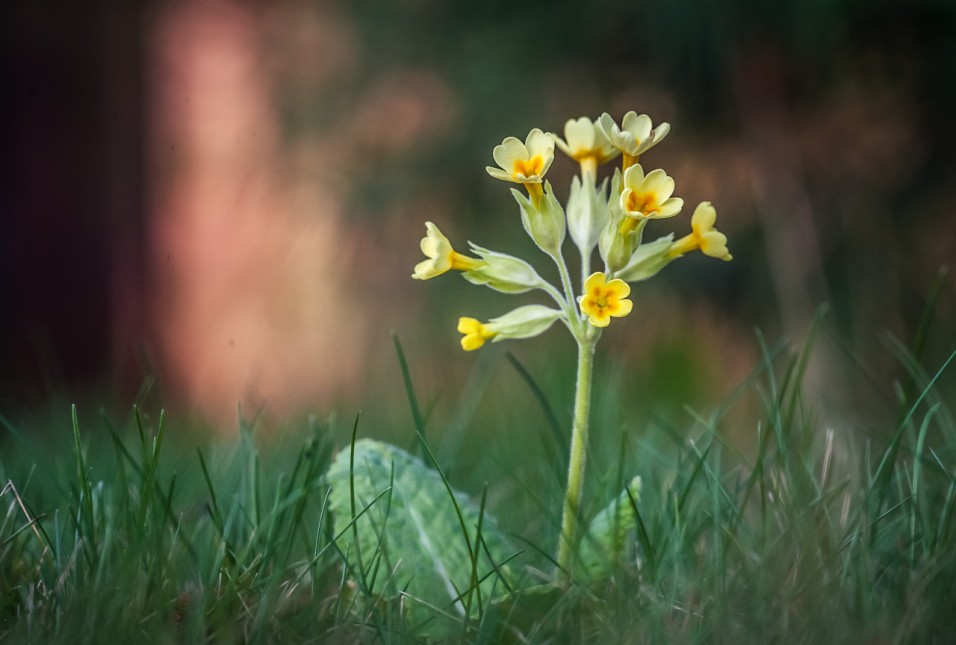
[[811, 534]]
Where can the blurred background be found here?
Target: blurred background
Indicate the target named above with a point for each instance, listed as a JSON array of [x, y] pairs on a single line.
[[219, 203]]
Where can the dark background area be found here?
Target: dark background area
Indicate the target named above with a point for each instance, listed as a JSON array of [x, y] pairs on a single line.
[[72, 194]]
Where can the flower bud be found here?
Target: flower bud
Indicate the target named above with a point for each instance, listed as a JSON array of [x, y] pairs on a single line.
[[587, 213]]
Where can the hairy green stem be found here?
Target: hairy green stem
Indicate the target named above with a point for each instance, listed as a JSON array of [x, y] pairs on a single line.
[[570, 531], [565, 279], [585, 268]]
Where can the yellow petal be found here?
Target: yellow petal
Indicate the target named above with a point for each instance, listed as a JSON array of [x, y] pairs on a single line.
[[498, 173], [634, 177], [580, 134], [714, 244], [426, 270], [639, 126], [468, 325], [434, 244], [670, 207], [619, 288], [704, 218], [508, 152], [624, 307], [599, 320], [658, 182], [539, 143], [661, 131], [595, 280]]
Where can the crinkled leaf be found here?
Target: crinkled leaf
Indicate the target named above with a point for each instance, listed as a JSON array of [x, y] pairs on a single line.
[[410, 538]]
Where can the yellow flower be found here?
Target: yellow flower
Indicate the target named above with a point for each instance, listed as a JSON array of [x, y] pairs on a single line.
[[703, 235], [603, 299], [441, 257], [586, 143], [523, 322], [475, 333], [635, 135], [523, 163], [644, 198]]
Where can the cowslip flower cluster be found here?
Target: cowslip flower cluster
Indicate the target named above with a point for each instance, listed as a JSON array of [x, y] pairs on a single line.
[[611, 221], [608, 217]]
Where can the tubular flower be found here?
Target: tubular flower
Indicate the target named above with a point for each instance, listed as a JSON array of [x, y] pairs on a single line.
[[475, 333], [441, 257], [603, 299], [703, 235], [647, 197], [523, 322], [635, 135], [585, 142]]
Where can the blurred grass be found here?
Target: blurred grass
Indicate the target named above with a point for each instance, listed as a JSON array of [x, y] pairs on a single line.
[[810, 532]]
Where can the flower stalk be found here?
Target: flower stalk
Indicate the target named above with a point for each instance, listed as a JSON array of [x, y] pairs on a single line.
[[570, 517]]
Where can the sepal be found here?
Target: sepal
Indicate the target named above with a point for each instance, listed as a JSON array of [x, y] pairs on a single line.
[[544, 220], [504, 273], [648, 260]]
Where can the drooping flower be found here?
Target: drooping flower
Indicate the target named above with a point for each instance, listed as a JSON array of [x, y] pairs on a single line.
[[523, 163], [475, 333], [585, 142], [634, 136], [703, 235], [647, 197], [441, 256], [602, 299], [523, 322]]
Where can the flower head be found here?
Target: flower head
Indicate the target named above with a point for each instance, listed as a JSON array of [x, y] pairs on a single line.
[[585, 142], [523, 163], [603, 299], [635, 135], [441, 256], [703, 235], [648, 197]]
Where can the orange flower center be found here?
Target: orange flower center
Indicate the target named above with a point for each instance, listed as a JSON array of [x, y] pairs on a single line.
[[599, 300], [645, 203], [529, 167]]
